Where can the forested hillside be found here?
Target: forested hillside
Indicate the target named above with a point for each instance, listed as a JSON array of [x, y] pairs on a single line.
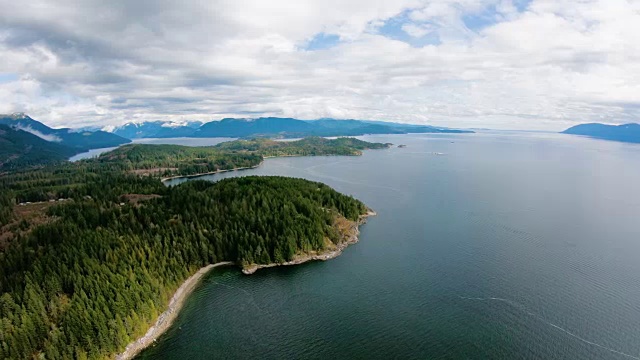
[[90, 282], [171, 160], [20, 149], [90, 263], [67, 180], [78, 140]]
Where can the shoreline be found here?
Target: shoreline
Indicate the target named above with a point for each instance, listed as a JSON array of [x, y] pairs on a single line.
[[352, 238], [166, 319], [165, 179], [209, 173]]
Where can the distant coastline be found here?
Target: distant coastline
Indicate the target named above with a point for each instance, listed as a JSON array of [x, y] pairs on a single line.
[[629, 133], [165, 179]]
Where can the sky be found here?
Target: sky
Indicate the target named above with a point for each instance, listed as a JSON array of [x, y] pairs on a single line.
[[503, 64]]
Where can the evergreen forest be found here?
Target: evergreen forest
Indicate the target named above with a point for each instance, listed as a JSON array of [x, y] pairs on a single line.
[[92, 251]]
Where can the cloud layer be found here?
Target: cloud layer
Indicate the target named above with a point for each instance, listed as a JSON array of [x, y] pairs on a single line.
[[542, 64]]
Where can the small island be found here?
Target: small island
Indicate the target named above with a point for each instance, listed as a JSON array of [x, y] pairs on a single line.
[[102, 254]]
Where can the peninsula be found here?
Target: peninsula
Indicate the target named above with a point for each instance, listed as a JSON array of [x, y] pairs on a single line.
[[168, 161], [98, 249], [348, 231]]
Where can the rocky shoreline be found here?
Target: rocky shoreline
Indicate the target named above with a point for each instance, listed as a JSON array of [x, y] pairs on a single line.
[[351, 238], [167, 318]]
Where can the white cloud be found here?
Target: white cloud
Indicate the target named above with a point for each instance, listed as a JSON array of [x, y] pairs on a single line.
[[104, 63], [48, 137]]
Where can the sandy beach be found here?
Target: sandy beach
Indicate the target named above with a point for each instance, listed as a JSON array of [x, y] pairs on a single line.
[[166, 318]]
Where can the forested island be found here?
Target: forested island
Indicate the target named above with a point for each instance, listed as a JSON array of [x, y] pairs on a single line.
[[178, 160], [92, 251]]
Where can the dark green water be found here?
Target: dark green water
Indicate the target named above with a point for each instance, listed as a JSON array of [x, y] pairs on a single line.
[[509, 246]]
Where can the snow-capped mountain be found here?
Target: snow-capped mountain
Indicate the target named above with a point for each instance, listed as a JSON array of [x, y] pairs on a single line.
[[156, 129]]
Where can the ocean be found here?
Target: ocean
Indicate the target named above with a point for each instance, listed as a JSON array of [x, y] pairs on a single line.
[[495, 245]]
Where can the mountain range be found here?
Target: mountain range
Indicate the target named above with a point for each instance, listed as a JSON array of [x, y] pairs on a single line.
[[273, 127], [157, 129], [625, 133], [26, 142], [80, 141], [20, 149]]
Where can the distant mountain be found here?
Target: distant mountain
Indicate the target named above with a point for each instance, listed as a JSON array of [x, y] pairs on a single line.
[[254, 127], [87, 140], [20, 149], [157, 129], [625, 133], [272, 127], [332, 127], [79, 140], [288, 127]]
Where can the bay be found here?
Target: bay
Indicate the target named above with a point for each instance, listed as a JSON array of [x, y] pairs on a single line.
[[490, 245], [172, 141]]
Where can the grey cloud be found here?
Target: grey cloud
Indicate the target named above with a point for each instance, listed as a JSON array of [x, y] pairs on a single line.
[[83, 62]]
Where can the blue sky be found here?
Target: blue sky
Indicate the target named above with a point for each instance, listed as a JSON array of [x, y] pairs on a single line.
[[393, 27], [322, 41], [8, 77]]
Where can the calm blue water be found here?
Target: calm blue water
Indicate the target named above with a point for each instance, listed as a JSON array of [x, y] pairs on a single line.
[[508, 246], [175, 141]]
